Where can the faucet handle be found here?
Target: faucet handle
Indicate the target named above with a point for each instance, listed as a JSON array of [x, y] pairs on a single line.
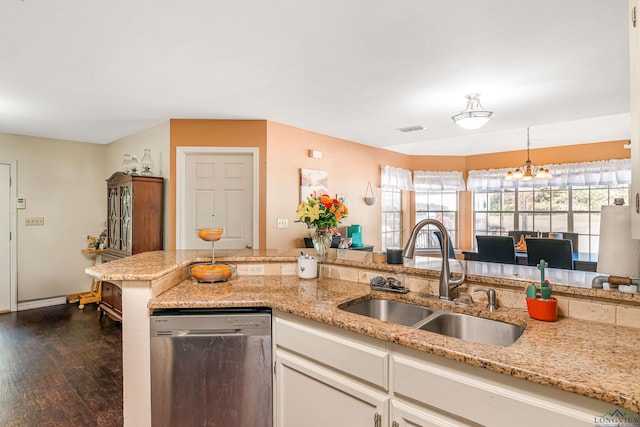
[[491, 298]]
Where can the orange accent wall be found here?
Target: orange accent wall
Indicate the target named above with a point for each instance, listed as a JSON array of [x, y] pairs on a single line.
[[218, 133], [553, 155], [284, 150], [350, 167]]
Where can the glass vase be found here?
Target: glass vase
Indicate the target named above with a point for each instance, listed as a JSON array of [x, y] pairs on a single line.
[[134, 165], [146, 163], [321, 238], [126, 163]]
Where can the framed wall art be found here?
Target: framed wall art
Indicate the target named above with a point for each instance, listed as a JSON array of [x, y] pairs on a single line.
[[313, 181]]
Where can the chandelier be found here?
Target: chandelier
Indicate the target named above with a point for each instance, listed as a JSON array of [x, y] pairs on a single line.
[[528, 170], [474, 116]]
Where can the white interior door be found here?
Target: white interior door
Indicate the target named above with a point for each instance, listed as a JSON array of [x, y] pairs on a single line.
[[5, 241], [220, 184]]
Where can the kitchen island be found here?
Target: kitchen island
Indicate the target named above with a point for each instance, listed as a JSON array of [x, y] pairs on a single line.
[[591, 359]]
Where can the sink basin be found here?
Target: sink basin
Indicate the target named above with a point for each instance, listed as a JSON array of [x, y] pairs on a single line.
[[457, 325], [471, 328], [391, 311]]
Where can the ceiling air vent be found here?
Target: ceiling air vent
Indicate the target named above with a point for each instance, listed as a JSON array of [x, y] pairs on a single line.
[[412, 128]]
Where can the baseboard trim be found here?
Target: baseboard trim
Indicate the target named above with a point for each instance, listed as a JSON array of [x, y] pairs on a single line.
[[39, 303]]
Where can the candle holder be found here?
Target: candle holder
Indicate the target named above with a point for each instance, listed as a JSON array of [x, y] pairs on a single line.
[[146, 163]]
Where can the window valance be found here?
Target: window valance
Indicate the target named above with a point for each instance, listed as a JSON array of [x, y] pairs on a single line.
[[395, 178], [438, 181], [603, 172]]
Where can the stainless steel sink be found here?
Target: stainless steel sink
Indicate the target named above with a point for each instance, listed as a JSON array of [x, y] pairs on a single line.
[[457, 325], [390, 311], [471, 328]]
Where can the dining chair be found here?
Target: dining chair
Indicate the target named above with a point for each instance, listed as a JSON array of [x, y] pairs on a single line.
[[335, 241], [557, 252], [500, 249], [452, 253]]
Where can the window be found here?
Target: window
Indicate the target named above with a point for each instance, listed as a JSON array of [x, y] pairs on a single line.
[[391, 219], [440, 205], [570, 202], [547, 209]]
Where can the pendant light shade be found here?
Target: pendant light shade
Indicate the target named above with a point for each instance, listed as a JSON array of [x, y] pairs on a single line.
[[474, 116], [528, 171]]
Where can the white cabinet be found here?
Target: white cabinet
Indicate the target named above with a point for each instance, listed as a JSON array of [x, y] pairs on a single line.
[[311, 395], [634, 59], [328, 378], [471, 395]]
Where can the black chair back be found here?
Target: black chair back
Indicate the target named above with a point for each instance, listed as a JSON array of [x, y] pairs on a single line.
[[452, 253], [557, 252], [500, 249], [335, 241]]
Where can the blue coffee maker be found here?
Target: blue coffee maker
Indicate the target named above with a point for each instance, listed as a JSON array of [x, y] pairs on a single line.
[[355, 233]]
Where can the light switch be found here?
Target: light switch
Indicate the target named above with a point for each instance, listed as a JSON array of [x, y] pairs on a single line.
[[21, 203], [283, 223], [34, 220]]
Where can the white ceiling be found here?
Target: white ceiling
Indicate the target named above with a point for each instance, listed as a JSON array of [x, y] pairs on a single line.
[[98, 70]]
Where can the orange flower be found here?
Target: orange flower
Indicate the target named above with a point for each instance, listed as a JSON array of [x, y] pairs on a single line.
[[321, 211]]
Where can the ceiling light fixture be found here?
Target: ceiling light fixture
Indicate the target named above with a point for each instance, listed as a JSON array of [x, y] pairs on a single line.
[[474, 116], [528, 171]]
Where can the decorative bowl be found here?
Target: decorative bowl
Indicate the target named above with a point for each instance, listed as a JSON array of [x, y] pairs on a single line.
[[207, 273], [210, 234]]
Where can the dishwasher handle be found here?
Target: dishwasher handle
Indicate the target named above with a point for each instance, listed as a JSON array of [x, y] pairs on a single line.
[[198, 333]]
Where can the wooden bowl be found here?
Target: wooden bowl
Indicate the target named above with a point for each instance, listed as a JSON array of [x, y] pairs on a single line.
[[210, 234], [207, 273]]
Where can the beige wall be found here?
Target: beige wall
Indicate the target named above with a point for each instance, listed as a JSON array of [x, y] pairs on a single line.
[[155, 138], [63, 182]]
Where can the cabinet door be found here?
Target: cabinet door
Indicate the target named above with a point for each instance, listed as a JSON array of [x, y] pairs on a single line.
[[117, 299], [113, 217], [126, 212], [312, 396], [107, 293]]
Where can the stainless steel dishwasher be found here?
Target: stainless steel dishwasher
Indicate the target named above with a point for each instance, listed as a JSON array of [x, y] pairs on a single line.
[[211, 367]]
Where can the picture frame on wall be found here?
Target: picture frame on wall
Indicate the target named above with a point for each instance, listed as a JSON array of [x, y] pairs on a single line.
[[313, 181]]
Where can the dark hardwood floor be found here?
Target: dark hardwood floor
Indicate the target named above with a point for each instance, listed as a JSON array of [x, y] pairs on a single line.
[[60, 366]]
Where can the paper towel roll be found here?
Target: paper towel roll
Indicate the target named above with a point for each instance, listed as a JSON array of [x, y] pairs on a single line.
[[618, 253]]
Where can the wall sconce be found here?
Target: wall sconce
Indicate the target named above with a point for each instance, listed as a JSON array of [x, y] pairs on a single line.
[[315, 154]]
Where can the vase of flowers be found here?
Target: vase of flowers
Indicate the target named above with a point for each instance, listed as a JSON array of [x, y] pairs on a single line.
[[322, 213]]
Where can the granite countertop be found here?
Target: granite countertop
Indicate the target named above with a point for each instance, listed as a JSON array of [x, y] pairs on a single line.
[[593, 359], [589, 358]]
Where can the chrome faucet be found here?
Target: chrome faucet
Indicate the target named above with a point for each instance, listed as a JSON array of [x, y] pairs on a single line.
[[447, 284]]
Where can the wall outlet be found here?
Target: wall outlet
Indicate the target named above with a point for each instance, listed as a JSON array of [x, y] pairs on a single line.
[[256, 270], [283, 223], [34, 220]]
